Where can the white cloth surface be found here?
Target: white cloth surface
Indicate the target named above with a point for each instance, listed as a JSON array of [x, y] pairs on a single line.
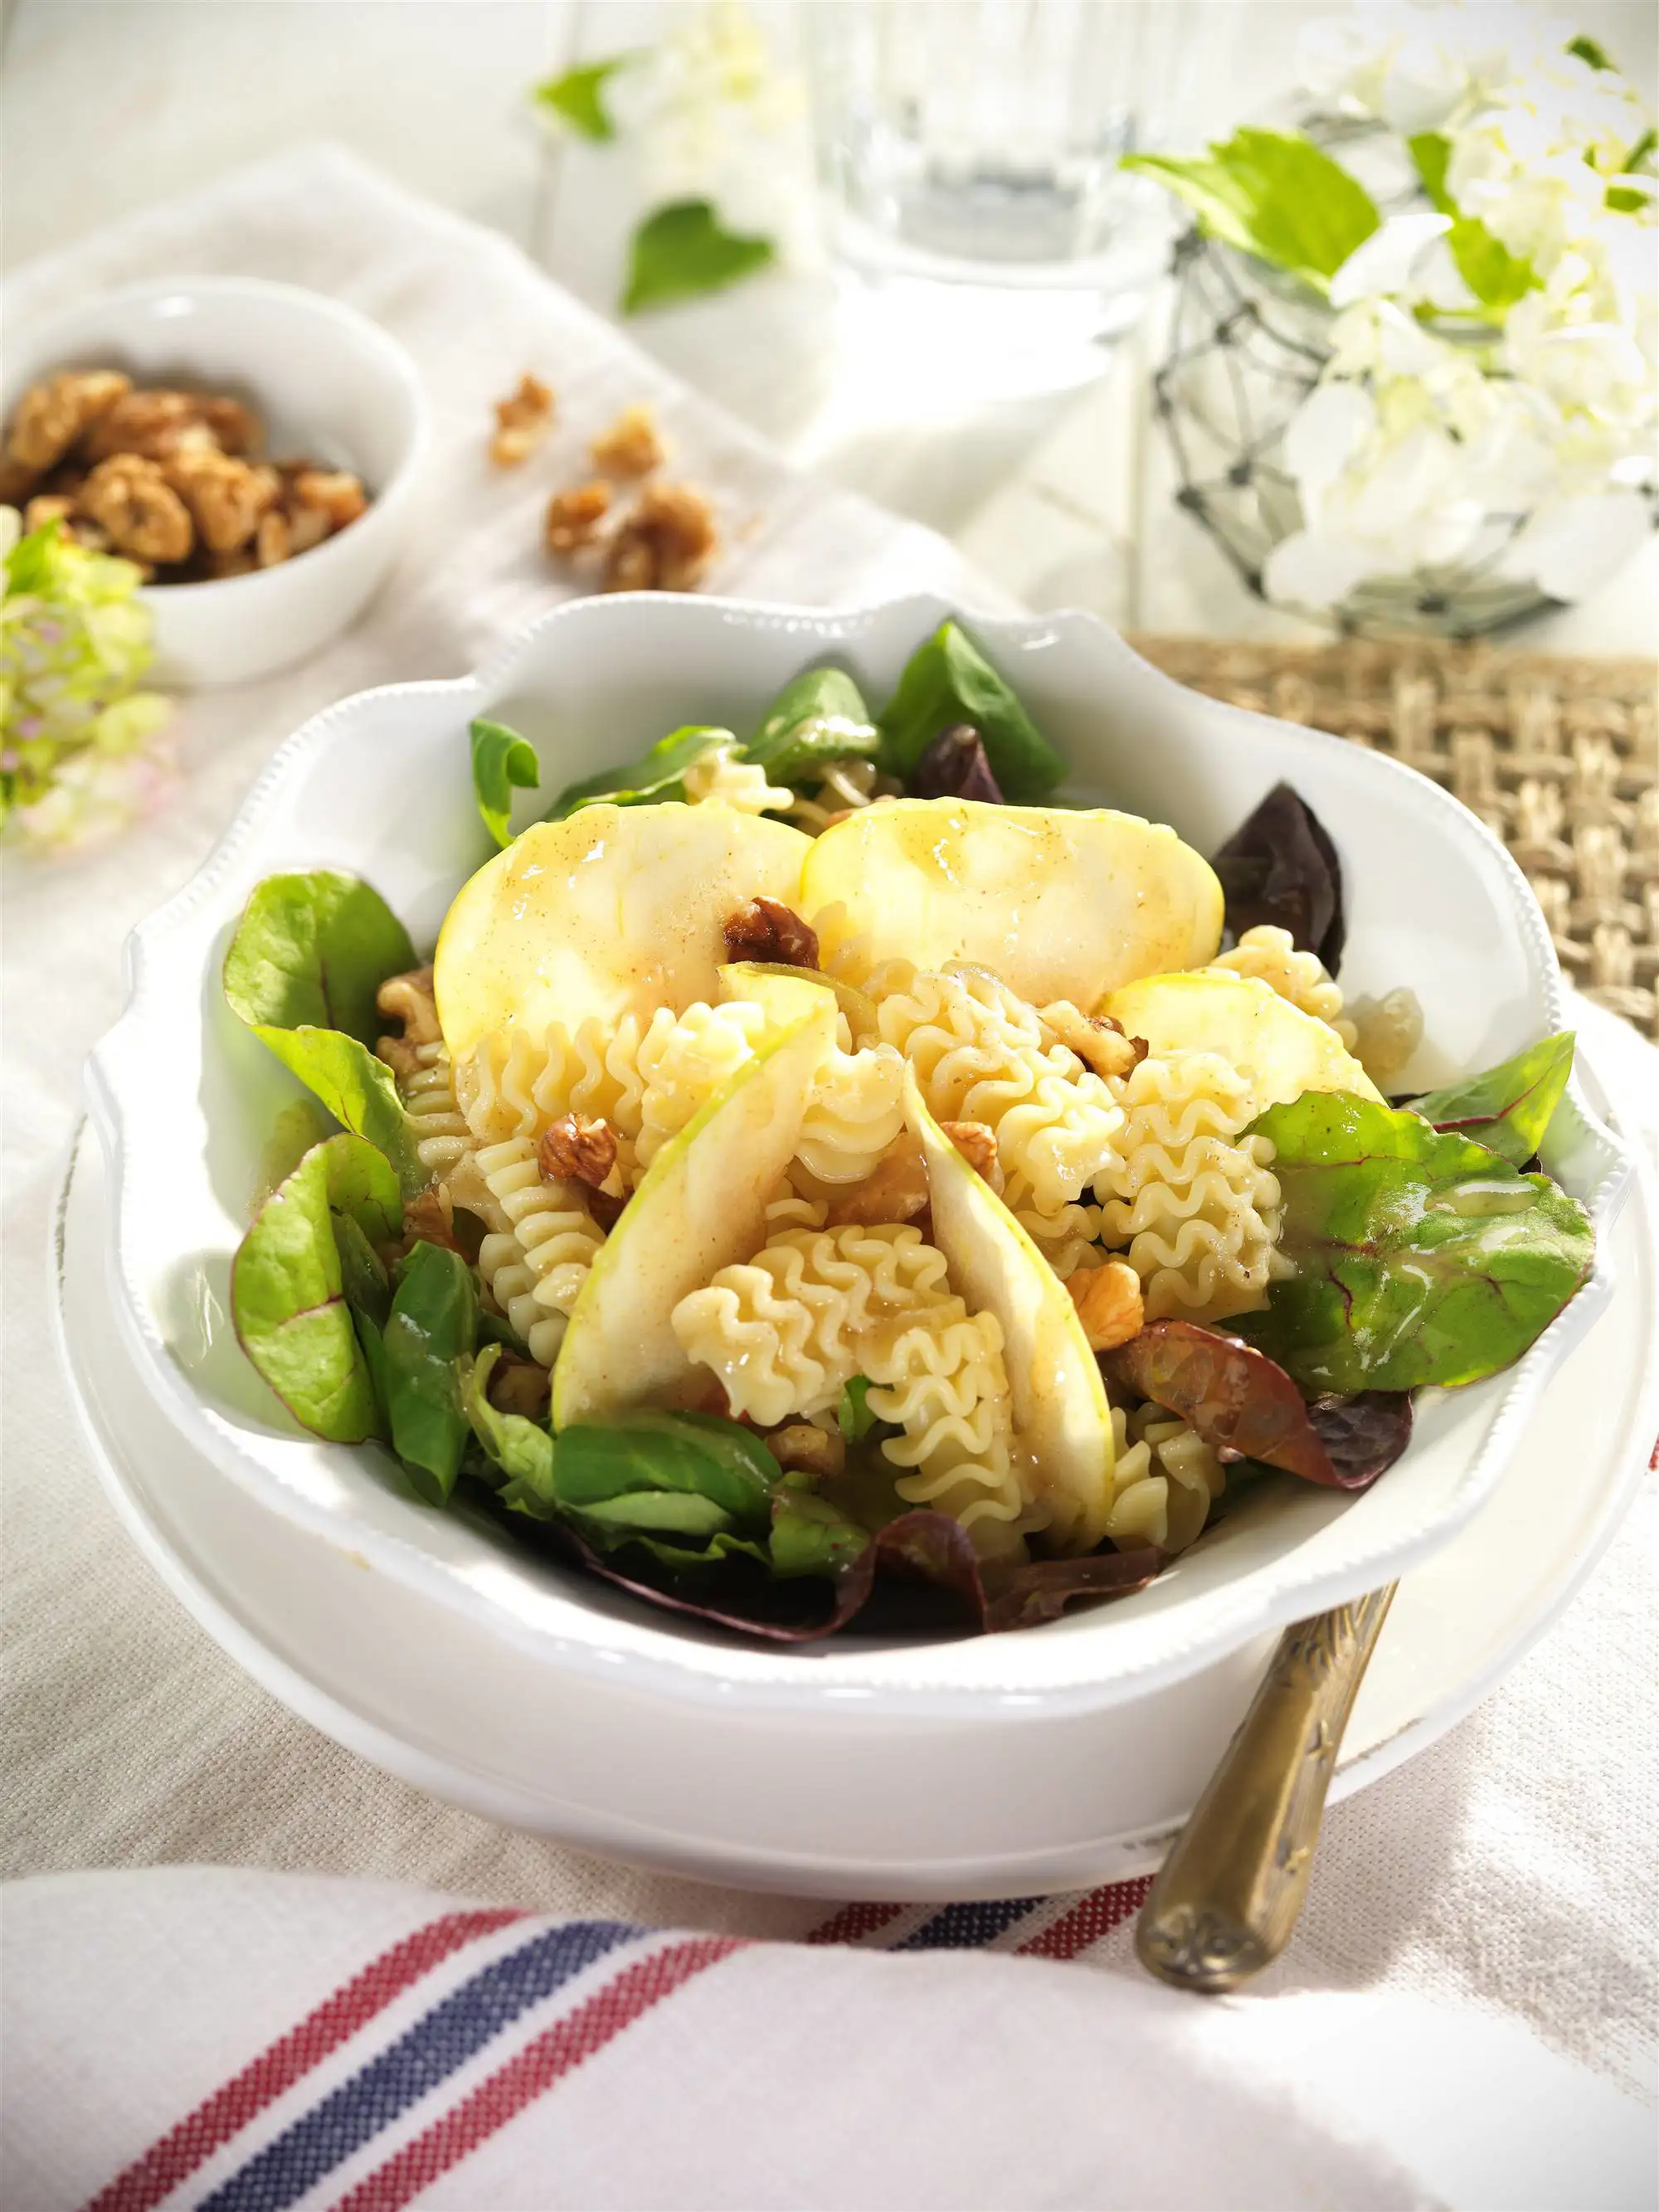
[[775, 2075], [1509, 1870]]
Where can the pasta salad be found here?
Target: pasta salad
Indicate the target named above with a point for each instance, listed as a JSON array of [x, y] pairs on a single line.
[[820, 1163]]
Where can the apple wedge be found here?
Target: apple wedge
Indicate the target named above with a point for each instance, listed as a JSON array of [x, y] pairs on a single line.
[[1062, 1422], [767, 983], [701, 1206], [1060, 902], [1280, 1051], [615, 910]]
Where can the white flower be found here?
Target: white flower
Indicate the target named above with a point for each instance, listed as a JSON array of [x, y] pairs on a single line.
[[1573, 546], [1386, 261]]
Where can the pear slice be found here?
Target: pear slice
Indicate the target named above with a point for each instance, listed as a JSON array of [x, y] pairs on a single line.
[[615, 910], [1060, 902], [1062, 1422], [758, 981], [1279, 1050], [701, 1206]]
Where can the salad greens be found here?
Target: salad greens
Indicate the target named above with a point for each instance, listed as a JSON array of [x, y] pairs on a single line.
[[1274, 194], [429, 1331], [287, 1286], [309, 955], [649, 781], [1508, 1108], [948, 681], [1280, 870], [1420, 1257], [818, 718], [501, 760]]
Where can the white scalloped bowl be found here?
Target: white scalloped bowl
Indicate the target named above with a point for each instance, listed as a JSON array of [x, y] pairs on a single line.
[[186, 1100]]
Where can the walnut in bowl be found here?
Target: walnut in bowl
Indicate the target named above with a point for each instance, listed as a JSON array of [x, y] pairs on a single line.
[[141, 420]]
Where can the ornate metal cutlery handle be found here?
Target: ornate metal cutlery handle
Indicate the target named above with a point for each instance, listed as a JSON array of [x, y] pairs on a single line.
[[1227, 1896]]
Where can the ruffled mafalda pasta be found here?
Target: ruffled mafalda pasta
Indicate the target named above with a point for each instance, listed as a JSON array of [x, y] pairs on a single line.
[[1270, 956], [534, 1270], [1165, 1478]]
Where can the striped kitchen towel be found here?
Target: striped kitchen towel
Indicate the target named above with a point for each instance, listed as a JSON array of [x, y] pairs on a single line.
[[225, 2039]]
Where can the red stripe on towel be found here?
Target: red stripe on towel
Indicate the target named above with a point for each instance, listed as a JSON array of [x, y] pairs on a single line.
[[1089, 1919], [852, 1922], [556, 2052], [178, 2155]]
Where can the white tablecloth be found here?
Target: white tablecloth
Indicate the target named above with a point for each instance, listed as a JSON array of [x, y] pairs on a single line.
[[1510, 1868]]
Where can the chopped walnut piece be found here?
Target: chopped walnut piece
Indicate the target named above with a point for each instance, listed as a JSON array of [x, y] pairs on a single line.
[[273, 542], [812, 1450], [226, 498], [524, 419], [519, 1386], [896, 1190], [429, 1218], [578, 1148], [143, 514], [240, 561], [632, 447], [306, 526], [1109, 1303], [17, 482], [766, 929], [237, 428], [408, 999], [665, 545], [332, 492], [152, 424], [53, 414], [574, 517], [1098, 1041], [977, 1143]]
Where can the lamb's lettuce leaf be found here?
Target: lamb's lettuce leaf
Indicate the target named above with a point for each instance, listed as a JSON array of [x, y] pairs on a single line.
[[1508, 1108], [1274, 194], [501, 762], [818, 718], [1421, 1258], [428, 1335], [948, 680], [648, 781], [312, 950], [287, 1285], [853, 1415]]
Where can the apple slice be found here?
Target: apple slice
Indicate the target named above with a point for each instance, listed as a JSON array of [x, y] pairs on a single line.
[[701, 1206], [759, 981], [1062, 1422], [1279, 1051], [616, 910], [1060, 902]]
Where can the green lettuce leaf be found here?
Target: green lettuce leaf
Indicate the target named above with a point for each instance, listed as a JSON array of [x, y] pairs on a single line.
[[853, 1414], [313, 950], [429, 1333], [578, 97], [818, 718], [1274, 194], [1497, 278], [521, 1449], [358, 1090], [500, 760], [598, 1468], [949, 680], [287, 1285], [1590, 51], [683, 250], [1421, 1258], [1508, 1108], [648, 781]]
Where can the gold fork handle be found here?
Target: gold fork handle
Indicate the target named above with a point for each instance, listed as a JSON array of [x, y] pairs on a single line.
[[1225, 1900]]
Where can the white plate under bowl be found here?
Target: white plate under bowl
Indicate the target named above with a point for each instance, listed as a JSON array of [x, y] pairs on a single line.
[[186, 1100], [882, 1805]]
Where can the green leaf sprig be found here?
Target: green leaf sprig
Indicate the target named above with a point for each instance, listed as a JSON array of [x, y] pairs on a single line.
[[577, 97], [502, 762], [815, 720], [1497, 278], [1508, 1108], [682, 251], [947, 680], [1274, 194], [309, 954]]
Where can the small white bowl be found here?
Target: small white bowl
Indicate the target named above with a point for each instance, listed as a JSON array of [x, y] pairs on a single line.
[[185, 1102], [326, 382]]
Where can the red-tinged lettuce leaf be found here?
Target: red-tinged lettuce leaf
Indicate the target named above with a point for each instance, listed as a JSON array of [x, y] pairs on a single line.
[[1245, 1406], [1508, 1108], [921, 1547], [1420, 1258], [1363, 1435], [955, 767], [1280, 869]]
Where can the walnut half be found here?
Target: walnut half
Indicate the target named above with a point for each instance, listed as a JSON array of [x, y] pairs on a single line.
[[665, 545], [1109, 1303], [766, 929], [145, 516], [54, 413], [523, 420]]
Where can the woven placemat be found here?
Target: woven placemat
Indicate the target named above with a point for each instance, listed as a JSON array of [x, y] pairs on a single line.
[[1560, 756]]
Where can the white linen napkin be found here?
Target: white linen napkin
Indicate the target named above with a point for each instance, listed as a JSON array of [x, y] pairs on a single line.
[[1503, 1879], [201, 2036]]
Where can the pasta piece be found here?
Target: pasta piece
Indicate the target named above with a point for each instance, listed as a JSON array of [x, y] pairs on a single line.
[[1164, 1483], [1388, 1030], [1192, 1199], [1270, 956], [789, 1208], [442, 1136], [857, 1111], [683, 1062], [941, 1379], [719, 774], [979, 1056], [783, 1331], [1068, 1238], [514, 1085], [535, 1268], [847, 786]]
